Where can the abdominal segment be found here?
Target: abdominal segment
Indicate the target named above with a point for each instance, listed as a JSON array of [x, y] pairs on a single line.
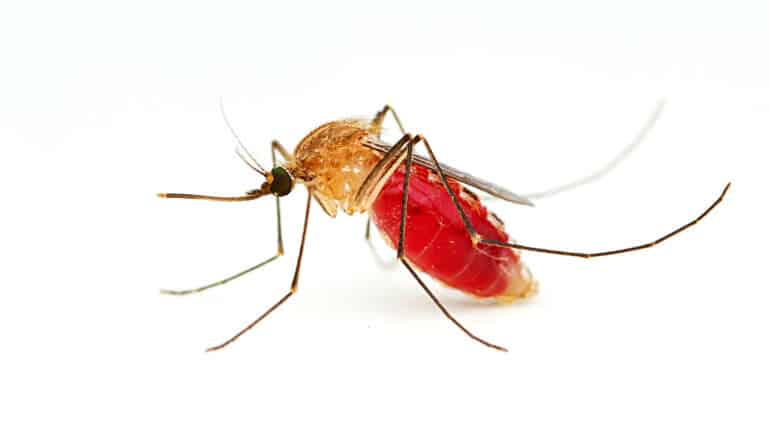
[[438, 244]]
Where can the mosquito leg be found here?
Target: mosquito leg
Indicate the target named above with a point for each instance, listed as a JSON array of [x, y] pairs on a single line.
[[402, 242], [599, 173], [275, 146], [386, 264], [615, 251], [404, 200], [251, 195], [292, 289], [220, 282], [381, 171], [609, 166], [367, 236], [375, 179], [476, 238], [375, 127], [446, 312]]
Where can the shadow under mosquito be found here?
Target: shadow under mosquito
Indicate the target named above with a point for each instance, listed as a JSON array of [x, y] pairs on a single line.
[[403, 302]]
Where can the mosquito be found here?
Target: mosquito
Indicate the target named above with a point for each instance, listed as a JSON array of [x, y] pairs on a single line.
[[424, 209]]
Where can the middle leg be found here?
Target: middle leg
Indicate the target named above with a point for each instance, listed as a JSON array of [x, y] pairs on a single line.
[[375, 127], [402, 257]]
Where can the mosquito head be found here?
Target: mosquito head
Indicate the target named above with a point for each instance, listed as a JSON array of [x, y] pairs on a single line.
[[281, 182]]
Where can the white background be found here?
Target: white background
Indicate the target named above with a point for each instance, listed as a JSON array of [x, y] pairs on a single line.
[[102, 105]]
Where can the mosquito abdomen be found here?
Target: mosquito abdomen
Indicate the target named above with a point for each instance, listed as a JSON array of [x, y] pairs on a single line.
[[437, 243]]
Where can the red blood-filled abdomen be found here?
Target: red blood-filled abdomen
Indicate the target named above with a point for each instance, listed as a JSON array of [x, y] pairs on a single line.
[[438, 244]]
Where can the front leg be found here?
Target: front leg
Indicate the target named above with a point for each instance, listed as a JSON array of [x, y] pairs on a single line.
[[250, 196]]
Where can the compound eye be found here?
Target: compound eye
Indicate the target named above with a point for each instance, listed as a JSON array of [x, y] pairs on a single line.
[[282, 183]]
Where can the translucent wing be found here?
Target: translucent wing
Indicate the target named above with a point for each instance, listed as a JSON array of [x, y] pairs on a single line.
[[460, 176]]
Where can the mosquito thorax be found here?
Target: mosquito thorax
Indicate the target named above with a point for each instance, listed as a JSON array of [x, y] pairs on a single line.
[[281, 182]]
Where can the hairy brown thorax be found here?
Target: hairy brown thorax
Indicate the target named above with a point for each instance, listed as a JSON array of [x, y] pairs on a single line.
[[333, 161]]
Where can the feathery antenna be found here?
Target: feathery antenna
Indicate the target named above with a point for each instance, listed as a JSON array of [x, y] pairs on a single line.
[[240, 149]]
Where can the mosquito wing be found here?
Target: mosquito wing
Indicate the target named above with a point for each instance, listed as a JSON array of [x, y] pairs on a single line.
[[460, 176]]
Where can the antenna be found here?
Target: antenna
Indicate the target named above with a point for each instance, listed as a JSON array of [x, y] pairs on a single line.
[[254, 165]]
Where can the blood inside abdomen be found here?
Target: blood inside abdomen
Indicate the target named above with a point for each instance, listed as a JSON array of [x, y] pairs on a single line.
[[438, 244]]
